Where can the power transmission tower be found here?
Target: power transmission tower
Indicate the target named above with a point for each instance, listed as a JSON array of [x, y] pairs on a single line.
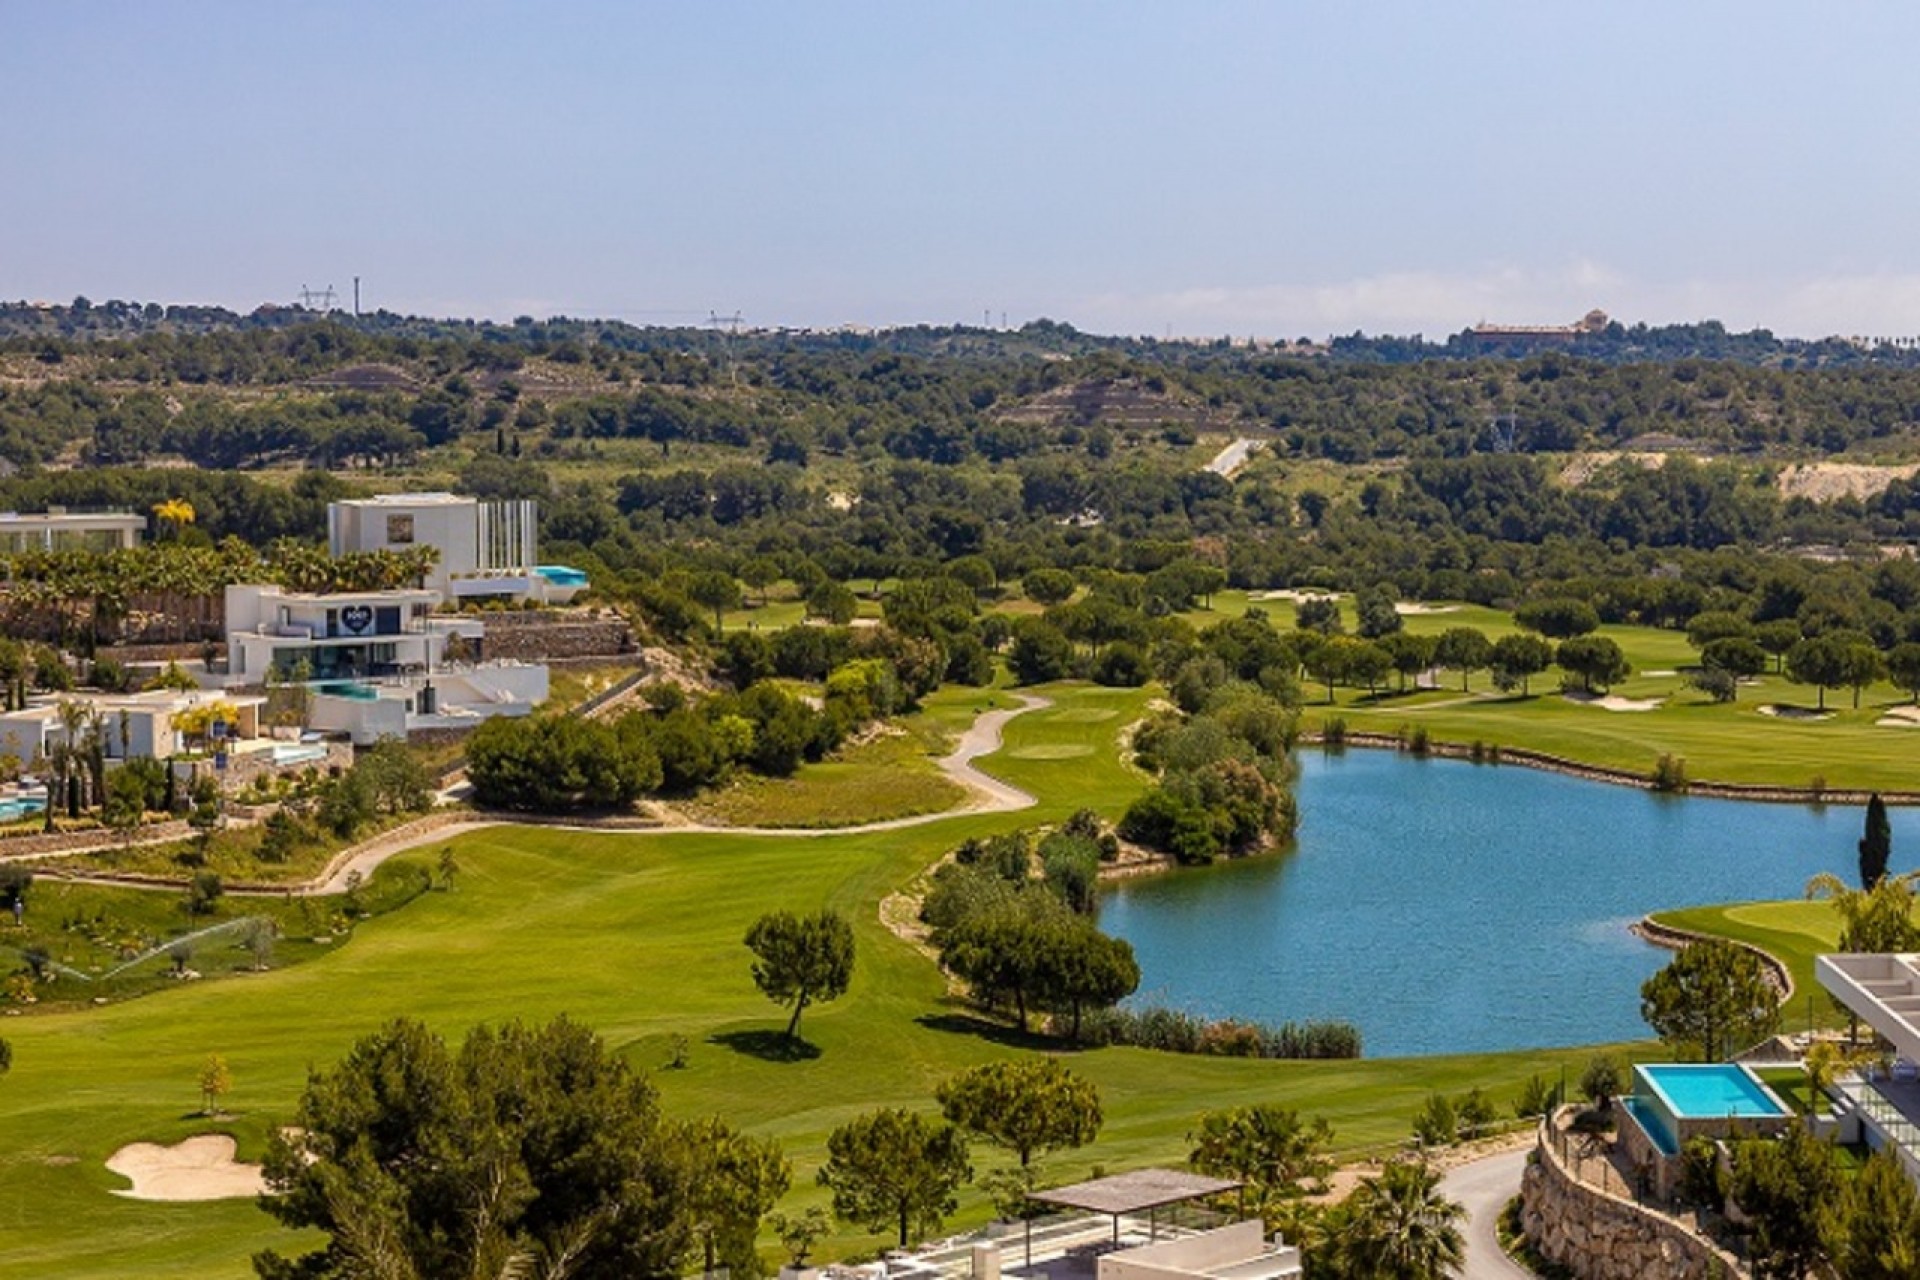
[[1502, 431], [728, 327], [318, 299]]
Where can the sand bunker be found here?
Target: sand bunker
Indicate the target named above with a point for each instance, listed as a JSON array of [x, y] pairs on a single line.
[[1614, 702], [197, 1168], [1414, 609], [1794, 713], [1298, 597], [1900, 718]]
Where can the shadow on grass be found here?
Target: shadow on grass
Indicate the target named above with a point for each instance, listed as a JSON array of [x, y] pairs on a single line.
[[969, 1024], [768, 1046]]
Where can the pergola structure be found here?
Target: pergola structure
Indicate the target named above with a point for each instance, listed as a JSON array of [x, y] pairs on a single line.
[[1127, 1194]]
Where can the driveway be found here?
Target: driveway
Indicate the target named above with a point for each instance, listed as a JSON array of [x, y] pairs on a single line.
[[1484, 1187]]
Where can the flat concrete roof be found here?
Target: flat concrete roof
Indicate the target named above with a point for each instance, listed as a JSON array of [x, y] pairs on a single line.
[[1133, 1192]]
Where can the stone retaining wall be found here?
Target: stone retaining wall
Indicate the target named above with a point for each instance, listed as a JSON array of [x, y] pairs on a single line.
[[1600, 1236], [93, 838], [531, 638]]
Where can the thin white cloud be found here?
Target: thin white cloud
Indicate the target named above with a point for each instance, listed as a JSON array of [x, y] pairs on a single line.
[[1440, 303]]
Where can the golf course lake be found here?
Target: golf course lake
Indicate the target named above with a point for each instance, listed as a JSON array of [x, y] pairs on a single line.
[[1447, 907]]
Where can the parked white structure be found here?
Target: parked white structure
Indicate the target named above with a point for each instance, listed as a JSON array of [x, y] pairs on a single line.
[[380, 663], [1884, 991], [487, 548], [57, 529]]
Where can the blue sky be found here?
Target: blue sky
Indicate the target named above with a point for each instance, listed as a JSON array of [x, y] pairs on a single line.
[[1271, 169]]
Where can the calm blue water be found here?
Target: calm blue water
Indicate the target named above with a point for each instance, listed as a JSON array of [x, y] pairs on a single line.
[[1448, 907], [1710, 1090]]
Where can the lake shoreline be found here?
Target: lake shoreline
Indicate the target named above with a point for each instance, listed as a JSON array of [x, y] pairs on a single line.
[[1547, 762]]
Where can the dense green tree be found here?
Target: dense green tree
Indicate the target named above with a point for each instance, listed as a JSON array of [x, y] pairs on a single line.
[[1029, 1106], [1712, 999], [1273, 1152], [1786, 1187], [1319, 614], [801, 960], [1048, 586], [1903, 668], [1826, 662], [1596, 660], [1517, 658], [716, 591], [1557, 619], [1876, 844], [894, 1169], [1040, 653], [531, 1150], [733, 1183], [1463, 649], [1377, 616], [1873, 1233]]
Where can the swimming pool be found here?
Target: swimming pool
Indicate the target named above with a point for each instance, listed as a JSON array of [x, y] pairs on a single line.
[[346, 689], [1713, 1090], [14, 808], [1674, 1102], [561, 575]]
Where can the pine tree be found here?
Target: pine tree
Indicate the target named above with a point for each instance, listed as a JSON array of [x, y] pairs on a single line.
[[1876, 846]]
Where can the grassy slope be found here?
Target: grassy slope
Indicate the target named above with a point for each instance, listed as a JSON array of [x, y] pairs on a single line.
[[638, 936]]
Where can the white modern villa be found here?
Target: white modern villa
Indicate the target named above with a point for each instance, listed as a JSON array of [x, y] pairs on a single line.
[[57, 529], [488, 549], [381, 663], [1884, 992], [130, 725]]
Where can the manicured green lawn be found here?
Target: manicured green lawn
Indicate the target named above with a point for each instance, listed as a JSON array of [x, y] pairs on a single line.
[[639, 936], [1731, 742]]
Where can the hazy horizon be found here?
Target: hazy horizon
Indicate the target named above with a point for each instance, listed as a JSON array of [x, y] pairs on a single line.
[[1247, 169]]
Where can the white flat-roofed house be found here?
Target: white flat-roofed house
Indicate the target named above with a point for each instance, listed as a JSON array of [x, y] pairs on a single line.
[[488, 548], [380, 663], [131, 725], [57, 529]]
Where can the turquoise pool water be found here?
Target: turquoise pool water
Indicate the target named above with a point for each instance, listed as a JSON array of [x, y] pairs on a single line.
[[1709, 1091], [1655, 1124], [346, 689], [17, 807], [561, 575]]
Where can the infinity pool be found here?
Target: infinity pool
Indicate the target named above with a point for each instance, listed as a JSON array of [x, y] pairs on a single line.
[[1704, 1091]]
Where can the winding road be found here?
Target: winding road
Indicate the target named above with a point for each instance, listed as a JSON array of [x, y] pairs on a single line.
[[988, 795], [1484, 1187]]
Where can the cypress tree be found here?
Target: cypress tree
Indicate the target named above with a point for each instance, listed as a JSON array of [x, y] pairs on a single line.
[[1876, 846]]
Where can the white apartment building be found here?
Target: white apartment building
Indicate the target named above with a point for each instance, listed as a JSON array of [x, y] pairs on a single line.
[[487, 548]]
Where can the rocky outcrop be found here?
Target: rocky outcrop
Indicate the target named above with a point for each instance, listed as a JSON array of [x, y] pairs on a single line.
[[1601, 1236]]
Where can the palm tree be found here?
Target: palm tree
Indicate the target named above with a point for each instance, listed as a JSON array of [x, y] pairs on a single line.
[[1395, 1226], [1879, 919]]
